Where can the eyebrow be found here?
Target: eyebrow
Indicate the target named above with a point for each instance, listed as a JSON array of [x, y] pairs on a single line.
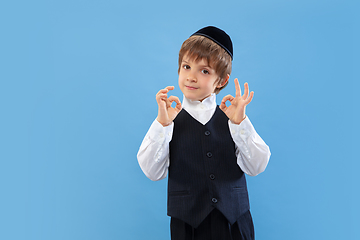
[[184, 61]]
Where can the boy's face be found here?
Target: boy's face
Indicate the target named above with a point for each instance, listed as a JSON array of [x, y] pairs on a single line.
[[197, 79]]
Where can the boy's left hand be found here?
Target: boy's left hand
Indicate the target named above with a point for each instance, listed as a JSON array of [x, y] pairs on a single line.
[[236, 111]]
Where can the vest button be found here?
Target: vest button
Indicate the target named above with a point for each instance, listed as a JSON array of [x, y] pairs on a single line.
[[214, 200], [212, 176], [209, 154], [207, 133]]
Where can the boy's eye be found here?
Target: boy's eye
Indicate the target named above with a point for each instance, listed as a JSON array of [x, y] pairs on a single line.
[[205, 71], [186, 67]]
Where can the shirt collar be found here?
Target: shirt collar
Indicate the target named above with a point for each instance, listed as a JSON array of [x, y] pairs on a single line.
[[207, 104]]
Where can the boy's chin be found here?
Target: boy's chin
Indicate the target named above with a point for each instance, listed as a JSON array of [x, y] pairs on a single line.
[[194, 98]]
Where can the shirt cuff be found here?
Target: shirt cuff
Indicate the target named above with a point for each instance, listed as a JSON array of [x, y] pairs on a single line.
[[242, 130], [158, 132]]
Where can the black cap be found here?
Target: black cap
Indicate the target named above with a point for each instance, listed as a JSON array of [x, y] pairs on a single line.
[[218, 36]]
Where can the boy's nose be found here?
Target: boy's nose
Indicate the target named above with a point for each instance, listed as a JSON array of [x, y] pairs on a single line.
[[191, 77]]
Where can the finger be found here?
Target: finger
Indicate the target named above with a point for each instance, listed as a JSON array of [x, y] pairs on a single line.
[[170, 87], [237, 87], [178, 106], [177, 101], [223, 106], [167, 89], [224, 100], [168, 103], [227, 98], [174, 99], [246, 91], [161, 97], [250, 97]]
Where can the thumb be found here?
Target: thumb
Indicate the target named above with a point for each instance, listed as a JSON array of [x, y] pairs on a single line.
[[223, 106]]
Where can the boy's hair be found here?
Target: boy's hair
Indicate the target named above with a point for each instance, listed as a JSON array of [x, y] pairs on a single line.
[[198, 47]]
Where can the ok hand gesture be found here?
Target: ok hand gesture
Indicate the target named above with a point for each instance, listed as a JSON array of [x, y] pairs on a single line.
[[236, 111], [166, 113]]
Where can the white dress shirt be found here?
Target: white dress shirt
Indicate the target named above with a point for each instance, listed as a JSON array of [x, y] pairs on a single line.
[[251, 151]]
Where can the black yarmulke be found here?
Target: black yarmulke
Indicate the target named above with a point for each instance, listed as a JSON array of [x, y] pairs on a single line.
[[218, 36]]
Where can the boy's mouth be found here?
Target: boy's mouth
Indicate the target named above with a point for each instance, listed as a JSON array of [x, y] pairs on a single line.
[[190, 87]]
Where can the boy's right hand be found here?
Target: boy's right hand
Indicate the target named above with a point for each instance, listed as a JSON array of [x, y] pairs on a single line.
[[166, 113]]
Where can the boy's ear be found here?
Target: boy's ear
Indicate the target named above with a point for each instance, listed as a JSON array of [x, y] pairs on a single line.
[[222, 83]]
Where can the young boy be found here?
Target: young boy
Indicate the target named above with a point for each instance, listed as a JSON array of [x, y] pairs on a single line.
[[205, 148]]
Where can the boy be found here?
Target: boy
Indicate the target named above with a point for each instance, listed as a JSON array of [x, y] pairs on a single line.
[[205, 148]]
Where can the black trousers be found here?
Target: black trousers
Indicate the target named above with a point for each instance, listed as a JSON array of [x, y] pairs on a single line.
[[214, 227]]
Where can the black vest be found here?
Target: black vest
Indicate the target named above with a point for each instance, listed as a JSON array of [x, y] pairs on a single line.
[[203, 171]]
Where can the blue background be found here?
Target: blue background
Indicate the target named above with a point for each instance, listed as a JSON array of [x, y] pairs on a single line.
[[77, 94]]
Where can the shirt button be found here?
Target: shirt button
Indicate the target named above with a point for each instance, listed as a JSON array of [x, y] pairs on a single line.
[[214, 200], [212, 176], [207, 133], [209, 154]]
